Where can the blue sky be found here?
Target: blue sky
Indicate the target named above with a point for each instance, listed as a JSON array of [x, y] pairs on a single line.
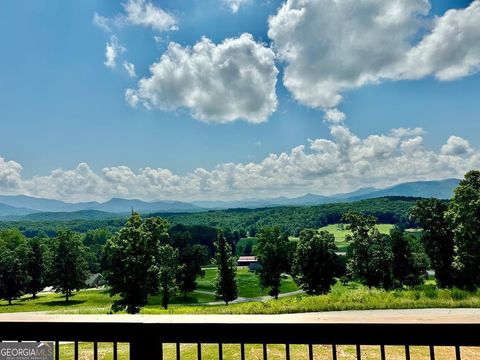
[[61, 106]]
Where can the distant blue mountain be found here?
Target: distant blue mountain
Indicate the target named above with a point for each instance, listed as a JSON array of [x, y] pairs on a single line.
[[117, 205], [442, 189], [6, 210], [21, 205]]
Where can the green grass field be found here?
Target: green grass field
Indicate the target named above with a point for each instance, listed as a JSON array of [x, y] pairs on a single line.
[[342, 297], [340, 233], [248, 283]]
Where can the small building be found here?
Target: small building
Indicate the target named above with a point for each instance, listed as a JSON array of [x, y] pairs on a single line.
[[95, 280], [246, 260]]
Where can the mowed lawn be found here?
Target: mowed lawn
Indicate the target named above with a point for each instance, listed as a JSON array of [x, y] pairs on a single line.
[[99, 301], [352, 296], [340, 232], [248, 283]]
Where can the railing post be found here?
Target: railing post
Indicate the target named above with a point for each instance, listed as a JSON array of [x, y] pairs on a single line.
[[146, 350]]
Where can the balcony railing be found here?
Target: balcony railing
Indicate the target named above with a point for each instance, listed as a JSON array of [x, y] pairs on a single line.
[[148, 334]]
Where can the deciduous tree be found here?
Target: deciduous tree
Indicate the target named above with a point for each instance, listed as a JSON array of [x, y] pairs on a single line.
[[273, 255], [464, 215], [70, 268], [130, 261], [315, 261], [437, 237]]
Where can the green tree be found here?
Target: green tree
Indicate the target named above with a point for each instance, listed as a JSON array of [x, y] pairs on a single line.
[[70, 268], [35, 267], [13, 259], [273, 255], [226, 284], [12, 275], [437, 237], [359, 243], [167, 264], [369, 254], [130, 261], [410, 262], [191, 259], [380, 261], [464, 215], [315, 261]]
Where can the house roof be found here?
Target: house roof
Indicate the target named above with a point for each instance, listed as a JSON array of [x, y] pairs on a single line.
[[247, 258]]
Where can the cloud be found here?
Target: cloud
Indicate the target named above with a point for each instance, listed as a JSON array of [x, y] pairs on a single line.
[[340, 163], [456, 146], [145, 13], [10, 175], [334, 116], [218, 83], [330, 46], [235, 5], [130, 68], [112, 50], [452, 49], [102, 22], [138, 13]]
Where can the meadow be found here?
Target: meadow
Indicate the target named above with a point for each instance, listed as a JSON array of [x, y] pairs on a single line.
[[340, 232], [351, 296]]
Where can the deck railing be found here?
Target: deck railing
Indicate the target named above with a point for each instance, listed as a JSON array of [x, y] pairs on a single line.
[[146, 338]]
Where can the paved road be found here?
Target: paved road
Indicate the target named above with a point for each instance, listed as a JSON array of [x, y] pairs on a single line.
[[432, 316], [243, 299]]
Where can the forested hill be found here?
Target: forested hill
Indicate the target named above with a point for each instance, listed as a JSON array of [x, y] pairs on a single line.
[[292, 219], [289, 218]]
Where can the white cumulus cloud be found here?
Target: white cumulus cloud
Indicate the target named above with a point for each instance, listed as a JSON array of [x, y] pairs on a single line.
[[218, 82], [145, 13], [340, 163], [331, 46], [456, 146], [138, 13]]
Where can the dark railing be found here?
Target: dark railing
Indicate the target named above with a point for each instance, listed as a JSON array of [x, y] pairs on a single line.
[[147, 338]]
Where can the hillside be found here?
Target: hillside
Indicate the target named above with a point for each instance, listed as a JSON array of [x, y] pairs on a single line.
[[292, 219]]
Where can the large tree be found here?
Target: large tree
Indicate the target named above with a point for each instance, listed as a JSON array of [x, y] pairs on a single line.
[[315, 261], [13, 260], [464, 215], [273, 253], [410, 262], [191, 258], [226, 284], [130, 261], [437, 237], [369, 254], [167, 264], [35, 266], [70, 267], [12, 275]]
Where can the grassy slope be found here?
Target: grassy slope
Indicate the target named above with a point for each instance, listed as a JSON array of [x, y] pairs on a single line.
[[340, 233], [342, 297]]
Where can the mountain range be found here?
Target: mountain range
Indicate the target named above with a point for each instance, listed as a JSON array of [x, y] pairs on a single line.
[[32, 208]]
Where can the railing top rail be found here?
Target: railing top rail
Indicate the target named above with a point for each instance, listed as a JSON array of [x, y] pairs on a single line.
[[244, 329], [401, 316]]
